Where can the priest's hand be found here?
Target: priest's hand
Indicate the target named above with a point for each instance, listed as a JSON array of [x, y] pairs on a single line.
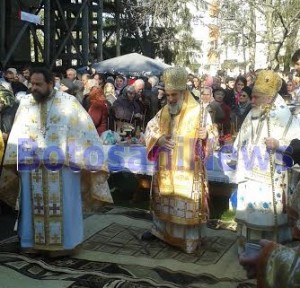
[[272, 143], [202, 133], [166, 142]]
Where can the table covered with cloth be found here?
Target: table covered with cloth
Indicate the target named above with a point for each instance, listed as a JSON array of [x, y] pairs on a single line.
[[133, 158]]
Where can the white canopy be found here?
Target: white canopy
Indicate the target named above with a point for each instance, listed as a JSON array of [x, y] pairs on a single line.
[[132, 64]]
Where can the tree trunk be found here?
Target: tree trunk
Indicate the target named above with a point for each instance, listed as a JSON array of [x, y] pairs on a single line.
[[252, 37], [270, 34]]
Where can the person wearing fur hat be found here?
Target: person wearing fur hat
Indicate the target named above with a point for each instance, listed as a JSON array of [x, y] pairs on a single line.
[[262, 193], [176, 137]]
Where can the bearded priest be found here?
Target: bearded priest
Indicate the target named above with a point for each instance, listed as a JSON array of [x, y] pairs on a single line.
[[180, 139], [261, 174], [52, 143]]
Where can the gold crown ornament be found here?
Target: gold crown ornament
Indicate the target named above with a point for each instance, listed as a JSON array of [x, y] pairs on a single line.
[[267, 83], [175, 78]]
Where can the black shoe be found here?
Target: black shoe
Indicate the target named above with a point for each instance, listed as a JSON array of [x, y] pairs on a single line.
[[148, 236]]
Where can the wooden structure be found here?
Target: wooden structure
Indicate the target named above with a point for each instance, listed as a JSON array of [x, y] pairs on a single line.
[[71, 32]]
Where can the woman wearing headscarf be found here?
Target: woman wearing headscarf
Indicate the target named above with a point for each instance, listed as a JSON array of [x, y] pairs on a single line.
[[125, 108], [120, 84]]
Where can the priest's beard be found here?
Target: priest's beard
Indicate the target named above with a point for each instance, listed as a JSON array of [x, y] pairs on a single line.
[[174, 108], [39, 96], [256, 112]]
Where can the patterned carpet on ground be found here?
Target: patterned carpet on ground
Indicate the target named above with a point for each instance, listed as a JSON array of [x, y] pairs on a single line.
[[113, 256]]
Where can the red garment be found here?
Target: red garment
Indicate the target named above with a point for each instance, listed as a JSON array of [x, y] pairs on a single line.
[[225, 135], [227, 112], [237, 97], [99, 114], [131, 81]]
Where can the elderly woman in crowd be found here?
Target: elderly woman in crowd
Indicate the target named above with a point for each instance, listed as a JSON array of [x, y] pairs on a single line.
[[125, 108]]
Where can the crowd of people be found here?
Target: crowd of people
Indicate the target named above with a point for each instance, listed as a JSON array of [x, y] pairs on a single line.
[[185, 118], [138, 100]]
